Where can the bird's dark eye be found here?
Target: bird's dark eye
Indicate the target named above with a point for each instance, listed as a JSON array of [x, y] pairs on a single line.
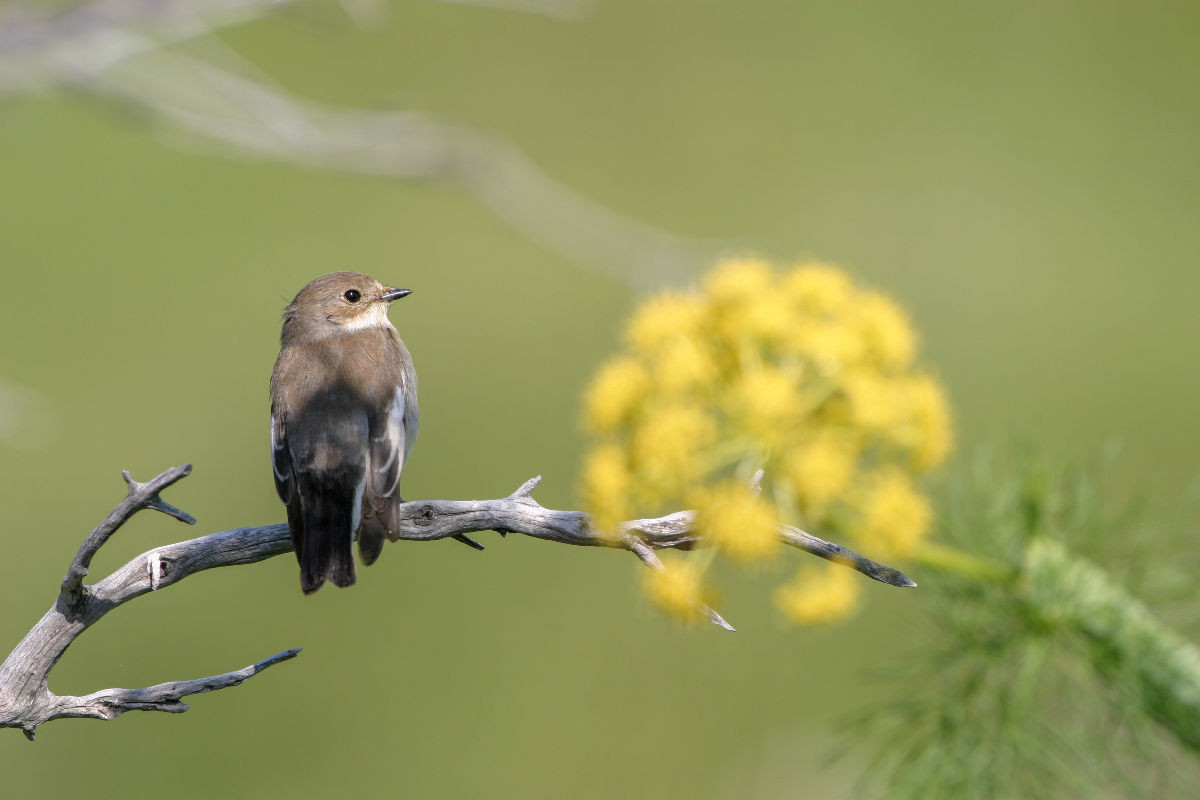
[[352, 295]]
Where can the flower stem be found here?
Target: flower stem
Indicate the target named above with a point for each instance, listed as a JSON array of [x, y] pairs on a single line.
[[958, 562]]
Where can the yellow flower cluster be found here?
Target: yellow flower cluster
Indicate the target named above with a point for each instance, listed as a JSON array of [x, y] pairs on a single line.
[[803, 374], [678, 589], [737, 521], [819, 595]]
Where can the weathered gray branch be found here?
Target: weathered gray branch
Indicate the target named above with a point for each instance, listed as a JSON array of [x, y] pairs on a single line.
[[25, 697], [26, 700]]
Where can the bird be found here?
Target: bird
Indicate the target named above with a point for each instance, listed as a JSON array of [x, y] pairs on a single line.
[[343, 422]]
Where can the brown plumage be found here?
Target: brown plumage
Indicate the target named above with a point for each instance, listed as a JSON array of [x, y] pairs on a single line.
[[343, 421]]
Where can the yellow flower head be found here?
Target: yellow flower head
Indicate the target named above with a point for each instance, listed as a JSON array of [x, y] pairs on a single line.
[[886, 330], [819, 595], [766, 401], [668, 446], [663, 319], [739, 279], [895, 517], [819, 288], [736, 291], [875, 401], [769, 319], [737, 520], [821, 469], [832, 345], [615, 393], [607, 488], [929, 417], [678, 589], [684, 366]]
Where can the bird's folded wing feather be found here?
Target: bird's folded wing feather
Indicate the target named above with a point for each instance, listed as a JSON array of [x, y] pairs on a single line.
[[389, 449], [281, 459]]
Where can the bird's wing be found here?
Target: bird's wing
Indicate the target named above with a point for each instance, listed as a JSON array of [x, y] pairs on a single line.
[[281, 458], [387, 451]]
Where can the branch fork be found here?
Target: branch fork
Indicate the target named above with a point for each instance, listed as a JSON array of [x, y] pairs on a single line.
[[141, 495], [25, 697]]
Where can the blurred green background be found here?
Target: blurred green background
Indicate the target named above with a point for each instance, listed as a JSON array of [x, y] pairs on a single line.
[[1023, 177]]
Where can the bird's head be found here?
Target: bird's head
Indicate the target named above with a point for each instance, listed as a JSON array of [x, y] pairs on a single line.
[[341, 302]]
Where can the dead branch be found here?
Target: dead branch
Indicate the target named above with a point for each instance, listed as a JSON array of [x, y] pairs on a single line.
[[25, 697]]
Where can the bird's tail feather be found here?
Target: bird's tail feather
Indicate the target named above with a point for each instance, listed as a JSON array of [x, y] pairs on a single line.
[[370, 540], [381, 520], [325, 550]]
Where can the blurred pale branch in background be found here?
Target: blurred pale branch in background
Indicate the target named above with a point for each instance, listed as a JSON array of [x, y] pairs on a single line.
[[124, 51], [25, 416], [12, 402], [560, 9]]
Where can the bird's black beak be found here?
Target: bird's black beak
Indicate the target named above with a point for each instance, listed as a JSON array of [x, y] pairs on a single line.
[[394, 294]]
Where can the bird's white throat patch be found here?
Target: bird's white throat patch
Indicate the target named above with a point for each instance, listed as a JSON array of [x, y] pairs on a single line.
[[373, 316]]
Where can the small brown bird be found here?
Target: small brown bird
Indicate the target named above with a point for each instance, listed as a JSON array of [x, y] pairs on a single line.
[[343, 421]]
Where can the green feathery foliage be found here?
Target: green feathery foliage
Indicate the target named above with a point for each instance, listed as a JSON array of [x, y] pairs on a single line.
[[1043, 676]]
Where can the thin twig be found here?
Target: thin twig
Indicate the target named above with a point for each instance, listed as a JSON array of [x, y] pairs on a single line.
[[141, 495], [646, 554], [845, 556], [111, 703]]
